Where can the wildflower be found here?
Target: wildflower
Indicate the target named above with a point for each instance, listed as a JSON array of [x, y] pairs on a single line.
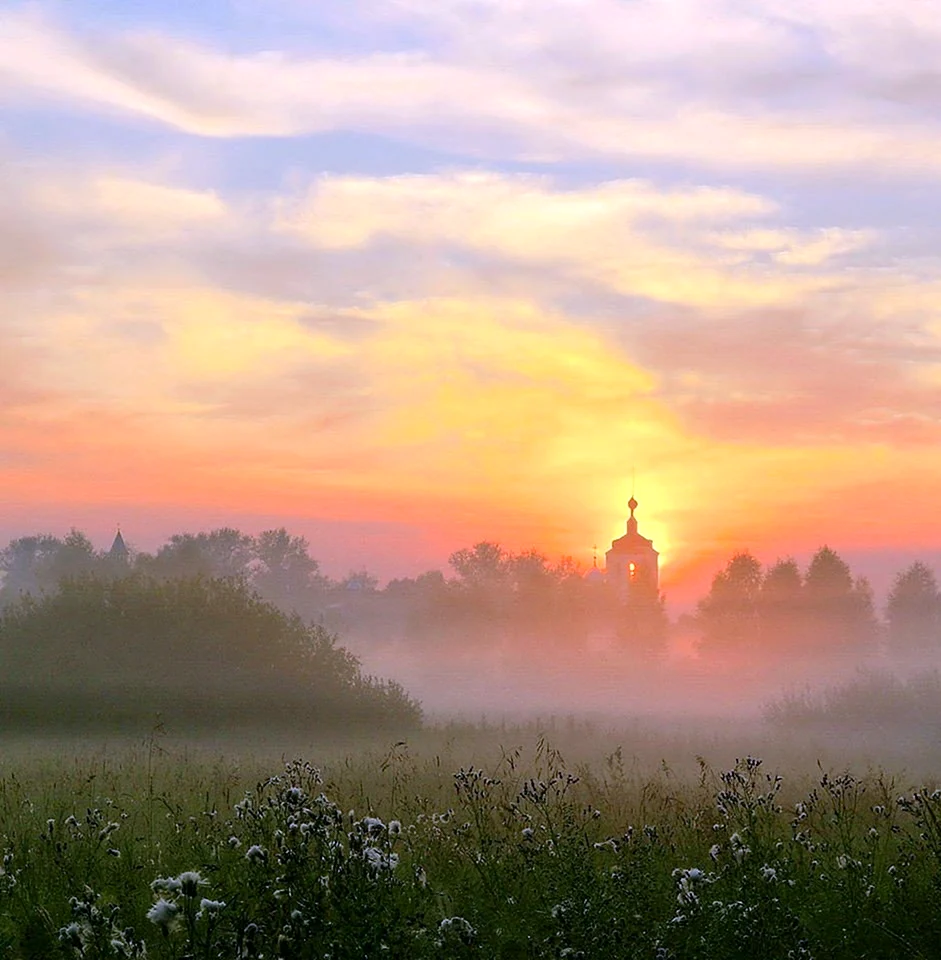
[[379, 860], [166, 885], [107, 830], [769, 873], [75, 935], [234, 842], [739, 850], [209, 908], [162, 914], [189, 882], [256, 854], [687, 880], [459, 927], [714, 852], [373, 825], [609, 844], [395, 828]]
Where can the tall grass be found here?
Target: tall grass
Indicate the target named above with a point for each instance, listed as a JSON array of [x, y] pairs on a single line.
[[517, 854]]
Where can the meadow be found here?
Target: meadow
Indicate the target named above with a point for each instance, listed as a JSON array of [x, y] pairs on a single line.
[[557, 839]]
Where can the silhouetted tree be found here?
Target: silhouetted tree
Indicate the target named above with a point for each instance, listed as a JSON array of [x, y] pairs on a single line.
[[220, 553], [913, 610], [25, 562], [728, 615], [483, 566], [839, 611], [182, 556], [286, 572], [75, 557]]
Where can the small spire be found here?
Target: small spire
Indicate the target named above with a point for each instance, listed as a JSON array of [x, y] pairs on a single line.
[[119, 550], [594, 556]]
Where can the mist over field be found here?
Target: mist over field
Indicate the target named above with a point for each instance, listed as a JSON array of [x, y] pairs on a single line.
[[222, 634]]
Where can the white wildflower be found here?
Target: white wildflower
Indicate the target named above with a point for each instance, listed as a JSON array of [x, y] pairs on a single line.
[[209, 908], [76, 935], [166, 885], [457, 926], [379, 860], [189, 882], [256, 854], [162, 913]]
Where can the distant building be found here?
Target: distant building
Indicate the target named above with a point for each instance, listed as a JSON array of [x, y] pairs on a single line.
[[595, 575], [632, 564], [119, 552]]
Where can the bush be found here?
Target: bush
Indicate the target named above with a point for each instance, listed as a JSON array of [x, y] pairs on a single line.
[[199, 650]]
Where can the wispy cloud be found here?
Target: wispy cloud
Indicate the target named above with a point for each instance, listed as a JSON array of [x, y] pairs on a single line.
[[716, 84]]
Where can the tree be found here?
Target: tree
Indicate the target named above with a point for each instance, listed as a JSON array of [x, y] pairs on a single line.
[[221, 553], [286, 571], [728, 615], [182, 556], [230, 552], [484, 566], [839, 610], [780, 604], [75, 557], [913, 610], [24, 563]]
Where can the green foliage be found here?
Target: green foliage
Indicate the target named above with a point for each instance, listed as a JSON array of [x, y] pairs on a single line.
[[200, 650], [523, 860]]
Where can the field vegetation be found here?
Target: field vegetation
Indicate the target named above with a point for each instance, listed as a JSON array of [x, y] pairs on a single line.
[[513, 853]]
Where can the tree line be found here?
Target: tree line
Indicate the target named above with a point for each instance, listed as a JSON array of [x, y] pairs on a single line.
[[824, 608], [821, 608]]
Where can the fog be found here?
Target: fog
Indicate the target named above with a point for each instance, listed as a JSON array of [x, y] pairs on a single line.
[[230, 636]]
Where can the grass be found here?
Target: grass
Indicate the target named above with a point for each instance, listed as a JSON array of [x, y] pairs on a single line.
[[459, 848]]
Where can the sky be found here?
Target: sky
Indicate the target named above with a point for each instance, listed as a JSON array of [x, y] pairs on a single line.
[[402, 275]]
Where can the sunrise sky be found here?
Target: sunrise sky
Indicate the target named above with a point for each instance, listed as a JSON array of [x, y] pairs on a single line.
[[402, 275]]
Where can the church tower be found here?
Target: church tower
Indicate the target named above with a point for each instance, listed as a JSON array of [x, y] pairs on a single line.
[[119, 553], [633, 564]]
